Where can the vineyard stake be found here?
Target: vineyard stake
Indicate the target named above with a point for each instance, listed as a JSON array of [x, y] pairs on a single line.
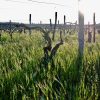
[[10, 32], [58, 22], [30, 24], [54, 26], [94, 27], [64, 23], [89, 33], [50, 24]]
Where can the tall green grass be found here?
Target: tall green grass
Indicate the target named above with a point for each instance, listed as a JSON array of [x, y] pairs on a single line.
[[71, 77]]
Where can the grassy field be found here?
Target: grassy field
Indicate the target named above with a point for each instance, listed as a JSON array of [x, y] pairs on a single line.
[[70, 77]]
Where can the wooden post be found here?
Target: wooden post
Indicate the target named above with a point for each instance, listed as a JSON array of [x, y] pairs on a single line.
[[29, 18], [89, 33], [58, 22], [81, 32], [58, 27], [61, 36], [64, 23], [50, 24], [30, 23], [10, 29], [24, 30], [70, 26], [64, 19], [54, 26], [94, 27], [40, 22]]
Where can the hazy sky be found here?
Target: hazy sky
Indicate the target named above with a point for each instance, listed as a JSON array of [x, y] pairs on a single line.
[[19, 11]]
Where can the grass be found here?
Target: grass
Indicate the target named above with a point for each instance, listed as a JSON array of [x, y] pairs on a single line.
[[71, 77]]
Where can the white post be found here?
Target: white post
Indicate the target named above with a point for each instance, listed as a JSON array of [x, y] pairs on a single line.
[[81, 30]]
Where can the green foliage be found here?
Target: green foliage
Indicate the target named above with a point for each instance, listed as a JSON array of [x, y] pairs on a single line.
[[72, 77]]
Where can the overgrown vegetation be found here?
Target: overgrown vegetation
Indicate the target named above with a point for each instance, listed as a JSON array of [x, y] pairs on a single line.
[[68, 76]]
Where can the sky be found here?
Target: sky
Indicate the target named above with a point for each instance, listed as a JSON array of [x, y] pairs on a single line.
[[19, 11]]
